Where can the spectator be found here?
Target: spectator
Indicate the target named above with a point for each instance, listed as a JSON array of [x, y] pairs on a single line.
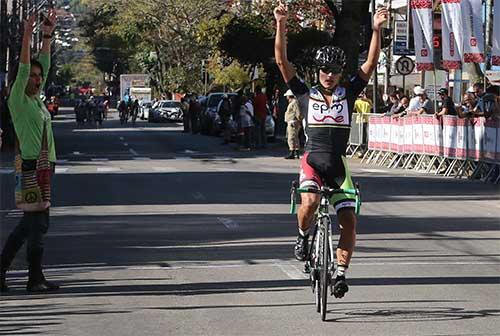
[[447, 106], [224, 109], [260, 109], [293, 120], [414, 104], [485, 103], [393, 105], [467, 107], [246, 122], [402, 110], [194, 113], [363, 106], [425, 105], [185, 114], [31, 118]]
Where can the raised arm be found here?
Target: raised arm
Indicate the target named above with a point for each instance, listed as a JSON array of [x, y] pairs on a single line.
[[48, 26], [29, 25], [366, 70], [286, 68]]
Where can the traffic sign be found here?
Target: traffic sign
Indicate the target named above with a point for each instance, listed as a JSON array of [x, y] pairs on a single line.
[[405, 65]]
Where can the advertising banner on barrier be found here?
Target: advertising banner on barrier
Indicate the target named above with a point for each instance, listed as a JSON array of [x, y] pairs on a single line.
[[393, 147], [474, 139], [472, 26], [490, 140], [422, 33], [431, 144], [373, 140], [475, 132], [449, 136], [408, 126], [386, 133], [401, 131], [418, 136], [461, 151], [452, 34]]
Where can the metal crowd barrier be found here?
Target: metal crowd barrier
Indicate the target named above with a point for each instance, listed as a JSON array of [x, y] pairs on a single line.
[[449, 146]]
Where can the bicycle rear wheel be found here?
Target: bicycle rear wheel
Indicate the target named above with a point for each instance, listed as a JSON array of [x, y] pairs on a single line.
[[324, 270]]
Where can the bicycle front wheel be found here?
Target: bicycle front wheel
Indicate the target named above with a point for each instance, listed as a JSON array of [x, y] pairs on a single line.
[[325, 272]]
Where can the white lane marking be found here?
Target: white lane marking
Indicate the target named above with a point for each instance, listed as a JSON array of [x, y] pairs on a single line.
[[228, 223], [125, 144], [292, 271], [132, 151], [6, 170], [199, 196], [61, 161], [77, 153], [369, 170], [15, 214], [203, 265], [165, 169], [107, 169], [60, 170], [122, 138], [99, 159], [188, 151]]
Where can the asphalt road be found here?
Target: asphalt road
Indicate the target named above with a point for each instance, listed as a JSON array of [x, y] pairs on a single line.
[[158, 232]]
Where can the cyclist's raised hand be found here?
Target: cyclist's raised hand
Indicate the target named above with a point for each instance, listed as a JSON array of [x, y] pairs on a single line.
[[29, 24], [280, 12], [380, 17]]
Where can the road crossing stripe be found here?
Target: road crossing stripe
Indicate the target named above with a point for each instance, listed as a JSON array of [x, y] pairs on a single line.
[[60, 170], [99, 159], [6, 170], [165, 169]]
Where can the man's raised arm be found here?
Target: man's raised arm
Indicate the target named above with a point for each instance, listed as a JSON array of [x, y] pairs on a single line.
[[286, 68], [381, 16]]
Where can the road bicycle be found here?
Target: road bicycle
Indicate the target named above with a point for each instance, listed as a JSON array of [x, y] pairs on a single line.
[[320, 260]]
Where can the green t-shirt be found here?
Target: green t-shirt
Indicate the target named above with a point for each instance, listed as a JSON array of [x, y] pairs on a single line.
[[29, 114]]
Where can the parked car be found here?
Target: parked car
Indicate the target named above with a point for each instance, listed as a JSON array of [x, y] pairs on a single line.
[[166, 110], [144, 110], [210, 121]]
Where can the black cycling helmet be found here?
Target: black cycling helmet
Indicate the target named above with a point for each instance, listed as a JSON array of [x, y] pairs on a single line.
[[330, 59]]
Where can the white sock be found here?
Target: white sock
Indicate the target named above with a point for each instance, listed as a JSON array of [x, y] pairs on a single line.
[[303, 233], [341, 269]]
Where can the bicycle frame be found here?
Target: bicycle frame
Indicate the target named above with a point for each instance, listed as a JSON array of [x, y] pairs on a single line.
[[320, 258]]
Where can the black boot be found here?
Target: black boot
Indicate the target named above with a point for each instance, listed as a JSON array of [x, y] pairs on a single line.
[[290, 156], [36, 281], [296, 153], [8, 253], [3, 283]]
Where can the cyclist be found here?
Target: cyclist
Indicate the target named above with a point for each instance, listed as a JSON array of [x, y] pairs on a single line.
[[327, 110]]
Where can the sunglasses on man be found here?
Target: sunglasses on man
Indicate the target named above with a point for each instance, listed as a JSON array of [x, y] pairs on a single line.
[[331, 69]]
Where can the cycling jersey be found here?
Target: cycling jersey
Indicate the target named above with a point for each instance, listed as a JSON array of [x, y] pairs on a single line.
[[327, 128], [327, 131]]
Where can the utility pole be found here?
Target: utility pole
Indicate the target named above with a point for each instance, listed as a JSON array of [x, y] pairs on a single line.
[[488, 8], [375, 72]]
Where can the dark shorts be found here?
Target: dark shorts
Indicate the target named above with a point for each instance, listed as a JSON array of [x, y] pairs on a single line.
[[334, 172]]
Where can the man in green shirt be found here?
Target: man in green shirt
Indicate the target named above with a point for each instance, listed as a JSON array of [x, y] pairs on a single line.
[[29, 116]]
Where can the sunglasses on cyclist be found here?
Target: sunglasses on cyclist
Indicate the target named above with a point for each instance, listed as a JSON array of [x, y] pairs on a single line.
[[331, 69]]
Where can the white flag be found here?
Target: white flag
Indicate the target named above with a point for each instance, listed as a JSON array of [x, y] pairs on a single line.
[[422, 32], [452, 34], [472, 24], [495, 53]]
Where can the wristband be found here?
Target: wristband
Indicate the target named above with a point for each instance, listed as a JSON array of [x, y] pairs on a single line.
[[47, 36]]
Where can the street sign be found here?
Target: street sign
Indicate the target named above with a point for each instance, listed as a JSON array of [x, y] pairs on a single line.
[[405, 65], [401, 40]]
